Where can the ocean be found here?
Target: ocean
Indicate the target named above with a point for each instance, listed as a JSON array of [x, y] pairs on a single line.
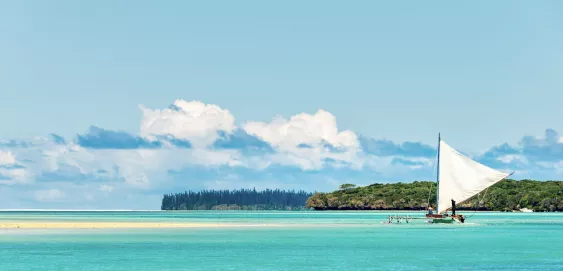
[[301, 241]]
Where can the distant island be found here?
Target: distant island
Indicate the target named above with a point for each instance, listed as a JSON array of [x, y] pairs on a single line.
[[243, 199], [506, 195]]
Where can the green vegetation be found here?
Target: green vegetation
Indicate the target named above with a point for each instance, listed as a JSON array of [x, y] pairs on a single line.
[[244, 199], [506, 195], [347, 186]]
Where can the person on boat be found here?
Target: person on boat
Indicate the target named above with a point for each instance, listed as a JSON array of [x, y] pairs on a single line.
[[462, 218], [430, 210]]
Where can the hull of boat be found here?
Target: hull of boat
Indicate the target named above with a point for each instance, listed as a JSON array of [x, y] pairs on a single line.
[[435, 218], [448, 220], [430, 218]]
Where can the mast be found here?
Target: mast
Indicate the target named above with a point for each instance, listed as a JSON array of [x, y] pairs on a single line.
[[438, 175]]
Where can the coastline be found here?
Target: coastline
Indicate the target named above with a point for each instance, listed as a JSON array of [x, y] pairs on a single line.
[[257, 210], [76, 210], [217, 219], [122, 225]]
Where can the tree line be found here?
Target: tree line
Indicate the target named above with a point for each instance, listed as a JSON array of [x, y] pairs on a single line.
[[506, 195], [242, 199]]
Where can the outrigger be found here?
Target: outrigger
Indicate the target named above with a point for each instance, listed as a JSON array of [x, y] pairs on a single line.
[[458, 179]]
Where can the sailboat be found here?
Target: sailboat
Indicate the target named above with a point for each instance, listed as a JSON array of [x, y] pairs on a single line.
[[458, 179]]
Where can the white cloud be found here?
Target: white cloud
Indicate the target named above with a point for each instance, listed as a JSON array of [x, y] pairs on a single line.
[[302, 140], [303, 129], [67, 174], [193, 121], [507, 159], [14, 176], [310, 159], [6, 158], [424, 161], [10, 172], [214, 158], [557, 166], [49, 195]]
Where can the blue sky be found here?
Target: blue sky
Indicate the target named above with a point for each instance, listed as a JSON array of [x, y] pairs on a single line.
[[85, 89]]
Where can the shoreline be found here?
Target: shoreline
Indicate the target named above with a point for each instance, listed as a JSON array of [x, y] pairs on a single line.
[[75, 210], [257, 210], [7, 211], [123, 225]]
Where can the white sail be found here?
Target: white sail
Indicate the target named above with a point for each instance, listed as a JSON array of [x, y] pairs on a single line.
[[460, 177]]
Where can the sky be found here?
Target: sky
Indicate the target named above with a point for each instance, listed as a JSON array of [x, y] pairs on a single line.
[[110, 104]]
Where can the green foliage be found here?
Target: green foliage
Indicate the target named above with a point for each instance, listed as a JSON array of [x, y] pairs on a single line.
[[347, 186], [244, 199], [506, 195]]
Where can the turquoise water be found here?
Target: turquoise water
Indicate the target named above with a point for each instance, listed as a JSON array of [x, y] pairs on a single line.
[[305, 241]]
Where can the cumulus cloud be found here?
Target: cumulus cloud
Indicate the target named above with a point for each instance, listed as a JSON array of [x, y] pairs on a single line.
[[194, 121], [6, 158], [312, 130], [192, 145], [11, 172], [10, 176], [307, 140], [510, 158]]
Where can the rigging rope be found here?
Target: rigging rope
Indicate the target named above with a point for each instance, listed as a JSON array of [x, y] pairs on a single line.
[[483, 199], [429, 194], [479, 201], [433, 175]]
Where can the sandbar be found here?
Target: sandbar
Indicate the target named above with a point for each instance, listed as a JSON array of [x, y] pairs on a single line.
[[121, 225]]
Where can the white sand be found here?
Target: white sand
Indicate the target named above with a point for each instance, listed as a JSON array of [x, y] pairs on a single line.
[[107, 225]]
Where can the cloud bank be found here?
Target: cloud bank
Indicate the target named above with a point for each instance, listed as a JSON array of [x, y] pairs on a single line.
[[193, 145]]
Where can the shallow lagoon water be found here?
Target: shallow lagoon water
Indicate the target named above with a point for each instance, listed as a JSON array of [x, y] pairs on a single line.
[[304, 241]]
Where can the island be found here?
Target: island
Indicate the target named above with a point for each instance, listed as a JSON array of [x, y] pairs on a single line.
[[242, 199], [506, 195]]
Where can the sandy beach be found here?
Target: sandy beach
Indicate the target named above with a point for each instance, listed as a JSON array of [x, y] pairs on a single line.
[[108, 225]]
